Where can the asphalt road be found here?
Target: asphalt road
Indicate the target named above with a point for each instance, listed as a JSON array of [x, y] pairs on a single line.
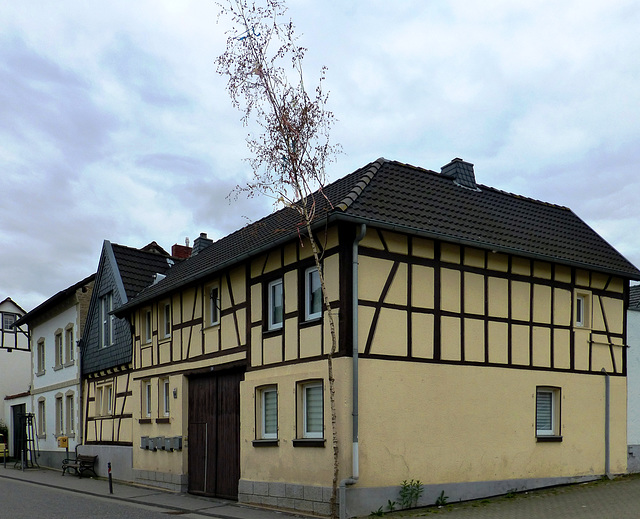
[[22, 500]]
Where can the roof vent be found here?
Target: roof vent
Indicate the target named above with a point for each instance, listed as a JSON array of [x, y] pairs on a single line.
[[461, 172], [201, 243]]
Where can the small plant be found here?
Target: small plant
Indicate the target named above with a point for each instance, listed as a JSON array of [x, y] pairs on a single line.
[[410, 492], [442, 499], [377, 513], [391, 505]]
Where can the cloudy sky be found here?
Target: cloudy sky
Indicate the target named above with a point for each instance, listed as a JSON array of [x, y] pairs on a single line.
[[114, 124]]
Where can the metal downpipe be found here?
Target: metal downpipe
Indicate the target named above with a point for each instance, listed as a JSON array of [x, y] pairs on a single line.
[[355, 470]]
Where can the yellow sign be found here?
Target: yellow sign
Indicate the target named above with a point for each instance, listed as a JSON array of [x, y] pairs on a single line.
[[63, 442]]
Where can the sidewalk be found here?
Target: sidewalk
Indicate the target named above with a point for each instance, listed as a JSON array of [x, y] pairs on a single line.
[[175, 503], [616, 499]]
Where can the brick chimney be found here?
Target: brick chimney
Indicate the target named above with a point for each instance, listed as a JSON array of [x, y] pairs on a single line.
[[461, 172], [201, 243], [180, 251]]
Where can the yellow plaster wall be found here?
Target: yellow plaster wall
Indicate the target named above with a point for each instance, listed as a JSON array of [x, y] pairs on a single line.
[[455, 427], [286, 463]]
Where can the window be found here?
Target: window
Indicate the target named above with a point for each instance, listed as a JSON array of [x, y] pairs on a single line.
[[59, 416], [582, 309], [312, 410], [41, 357], [59, 349], [147, 325], [164, 391], [166, 319], [7, 322], [69, 345], [99, 401], [275, 305], [313, 294], [108, 405], [146, 397], [42, 424], [104, 400], [70, 411], [214, 306], [268, 413], [106, 320], [547, 412]]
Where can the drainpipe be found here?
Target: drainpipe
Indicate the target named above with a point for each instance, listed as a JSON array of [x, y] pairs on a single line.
[[607, 422], [354, 320]]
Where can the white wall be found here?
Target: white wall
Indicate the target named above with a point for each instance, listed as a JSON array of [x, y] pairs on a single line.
[[56, 381], [633, 377]]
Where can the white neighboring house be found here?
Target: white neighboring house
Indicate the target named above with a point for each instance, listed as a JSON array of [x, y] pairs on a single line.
[[15, 364], [55, 328], [633, 380]]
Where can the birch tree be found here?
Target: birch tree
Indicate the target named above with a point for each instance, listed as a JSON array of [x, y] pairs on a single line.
[[291, 147]]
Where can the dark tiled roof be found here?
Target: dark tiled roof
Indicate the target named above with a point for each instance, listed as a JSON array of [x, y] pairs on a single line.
[[398, 196], [634, 297], [54, 300], [137, 267]]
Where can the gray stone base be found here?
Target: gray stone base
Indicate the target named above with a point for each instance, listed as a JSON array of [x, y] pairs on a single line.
[[288, 496], [174, 482], [362, 501], [633, 459], [120, 457]]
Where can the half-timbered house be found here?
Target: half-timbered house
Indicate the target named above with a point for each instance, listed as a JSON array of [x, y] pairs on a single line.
[[489, 334], [106, 352]]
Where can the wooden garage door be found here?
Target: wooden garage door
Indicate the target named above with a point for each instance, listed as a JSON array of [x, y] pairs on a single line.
[[214, 434]]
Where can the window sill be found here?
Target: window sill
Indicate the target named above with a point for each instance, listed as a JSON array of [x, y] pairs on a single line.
[[69, 364], [40, 373], [273, 332], [57, 367], [548, 439], [144, 420], [265, 443], [311, 321], [309, 442], [166, 419]]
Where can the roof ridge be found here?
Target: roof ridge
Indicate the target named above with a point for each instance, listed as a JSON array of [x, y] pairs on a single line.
[[360, 186], [527, 198]]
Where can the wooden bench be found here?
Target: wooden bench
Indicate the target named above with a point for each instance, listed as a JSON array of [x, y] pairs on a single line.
[[81, 464]]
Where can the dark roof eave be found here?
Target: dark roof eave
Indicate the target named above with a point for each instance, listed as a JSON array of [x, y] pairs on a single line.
[[140, 301], [337, 215], [483, 245], [52, 301]]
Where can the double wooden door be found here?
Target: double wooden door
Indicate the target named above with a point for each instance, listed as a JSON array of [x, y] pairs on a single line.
[[214, 434]]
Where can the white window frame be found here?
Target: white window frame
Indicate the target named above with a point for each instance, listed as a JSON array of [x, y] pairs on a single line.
[[69, 345], [166, 397], [547, 411], [109, 399], [214, 305], [42, 417], [7, 322], [166, 319], [41, 353], [99, 401], [59, 348], [70, 412], [276, 284], [582, 310], [59, 415], [148, 326], [310, 277], [106, 320], [146, 396], [315, 385], [265, 393]]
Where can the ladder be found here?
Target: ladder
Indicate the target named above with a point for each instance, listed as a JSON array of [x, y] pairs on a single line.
[[27, 442]]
